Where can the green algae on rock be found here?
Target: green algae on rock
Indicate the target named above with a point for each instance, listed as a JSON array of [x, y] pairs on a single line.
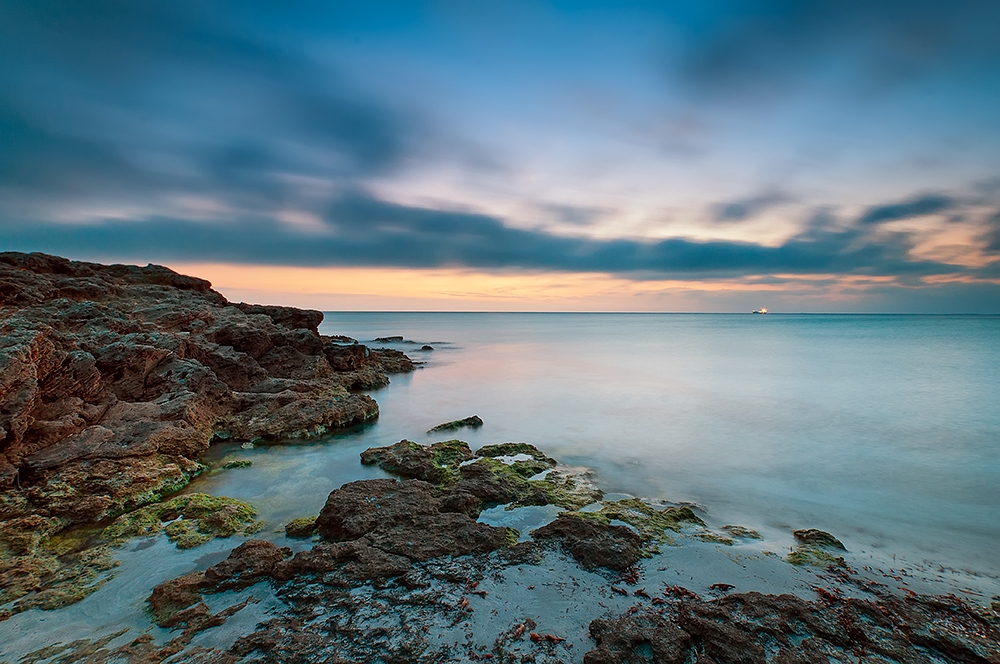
[[819, 538], [812, 548], [301, 527], [742, 532], [48, 568], [494, 475], [651, 523], [437, 463], [188, 520]]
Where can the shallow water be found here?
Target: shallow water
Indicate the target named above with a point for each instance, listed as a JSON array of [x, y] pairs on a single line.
[[884, 430]]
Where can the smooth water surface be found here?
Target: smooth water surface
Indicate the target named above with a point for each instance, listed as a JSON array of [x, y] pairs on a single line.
[[884, 430]]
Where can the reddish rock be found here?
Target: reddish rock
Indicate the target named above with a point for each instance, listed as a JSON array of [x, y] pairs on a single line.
[[114, 379]]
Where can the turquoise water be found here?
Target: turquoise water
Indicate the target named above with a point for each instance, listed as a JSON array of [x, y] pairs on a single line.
[[884, 430]]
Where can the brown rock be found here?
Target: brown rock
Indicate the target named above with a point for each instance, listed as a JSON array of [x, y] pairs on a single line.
[[591, 543], [359, 508], [356, 560], [175, 595], [246, 565], [404, 519], [124, 362], [114, 379]]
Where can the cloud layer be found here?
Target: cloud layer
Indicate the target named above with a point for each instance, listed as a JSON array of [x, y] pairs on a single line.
[[328, 135]]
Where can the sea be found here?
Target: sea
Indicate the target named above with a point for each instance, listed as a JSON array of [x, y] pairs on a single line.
[[883, 430]]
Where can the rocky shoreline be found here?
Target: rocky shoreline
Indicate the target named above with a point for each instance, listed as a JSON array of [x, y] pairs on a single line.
[[421, 565], [115, 380]]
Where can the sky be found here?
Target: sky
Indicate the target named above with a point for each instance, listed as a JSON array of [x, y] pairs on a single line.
[[503, 155]]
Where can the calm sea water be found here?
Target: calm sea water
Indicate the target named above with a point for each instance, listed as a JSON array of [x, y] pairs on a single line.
[[884, 430]]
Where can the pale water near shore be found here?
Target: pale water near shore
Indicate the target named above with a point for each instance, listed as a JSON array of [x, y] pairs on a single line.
[[884, 430]]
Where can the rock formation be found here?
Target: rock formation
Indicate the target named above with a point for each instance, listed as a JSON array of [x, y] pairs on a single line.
[[114, 379]]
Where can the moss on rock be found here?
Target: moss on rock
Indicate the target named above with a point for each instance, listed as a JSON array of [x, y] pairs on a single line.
[[513, 449], [742, 532], [653, 525], [807, 555], [473, 422], [813, 548], [301, 527], [188, 520]]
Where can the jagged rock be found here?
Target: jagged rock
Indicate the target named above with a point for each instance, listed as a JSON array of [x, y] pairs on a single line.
[[593, 543], [114, 379], [124, 363]]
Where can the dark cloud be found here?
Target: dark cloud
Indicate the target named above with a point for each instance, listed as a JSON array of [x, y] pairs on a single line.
[[760, 49], [364, 231], [748, 208], [161, 99], [915, 207]]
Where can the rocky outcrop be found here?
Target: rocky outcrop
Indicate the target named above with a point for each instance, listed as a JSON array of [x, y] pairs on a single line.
[[114, 379]]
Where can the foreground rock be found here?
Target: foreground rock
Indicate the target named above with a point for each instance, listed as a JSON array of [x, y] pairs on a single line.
[[753, 628], [115, 379], [402, 572]]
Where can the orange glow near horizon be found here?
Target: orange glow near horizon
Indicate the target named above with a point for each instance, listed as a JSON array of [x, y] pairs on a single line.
[[401, 289]]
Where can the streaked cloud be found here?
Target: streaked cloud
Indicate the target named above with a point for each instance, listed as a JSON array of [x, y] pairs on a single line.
[[715, 142]]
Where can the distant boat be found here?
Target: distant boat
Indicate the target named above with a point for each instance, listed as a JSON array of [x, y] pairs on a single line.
[[762, 310]]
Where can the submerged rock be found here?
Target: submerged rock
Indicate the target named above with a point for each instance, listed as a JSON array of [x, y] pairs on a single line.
[[179, 601], [473, 422], [742, 532]]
